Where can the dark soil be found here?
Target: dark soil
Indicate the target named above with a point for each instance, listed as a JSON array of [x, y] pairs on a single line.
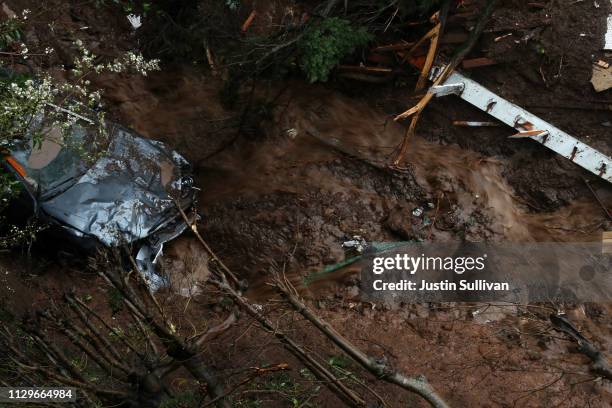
[[283, 191]]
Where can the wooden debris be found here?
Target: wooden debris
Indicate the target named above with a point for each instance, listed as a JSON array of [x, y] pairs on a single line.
[[446, 72], [364, 69], [431, 53], [600, 364], [247, 23], [468, 123], [501, 37], [606, 241], [540, 6], [602, 63], [211, 61], [599, 201], [528, 133], [393, 47], [478, 62], [602, 78]]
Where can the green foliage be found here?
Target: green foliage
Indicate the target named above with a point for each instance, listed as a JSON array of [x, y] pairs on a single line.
[[339, 361], [325, 44], [115, 300], [10, 32]]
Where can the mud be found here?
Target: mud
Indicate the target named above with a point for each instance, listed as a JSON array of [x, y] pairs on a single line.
[[285, 194]]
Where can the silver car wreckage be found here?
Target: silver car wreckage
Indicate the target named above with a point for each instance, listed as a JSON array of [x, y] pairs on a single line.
[[125, 192]]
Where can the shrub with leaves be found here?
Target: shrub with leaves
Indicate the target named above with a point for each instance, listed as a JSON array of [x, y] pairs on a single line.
[[325, 44]]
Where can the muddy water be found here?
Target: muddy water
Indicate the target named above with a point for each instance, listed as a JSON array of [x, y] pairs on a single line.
[[464, 178], [317, 174]]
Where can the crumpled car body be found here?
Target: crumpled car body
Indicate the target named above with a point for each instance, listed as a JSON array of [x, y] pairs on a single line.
[[123, 193]]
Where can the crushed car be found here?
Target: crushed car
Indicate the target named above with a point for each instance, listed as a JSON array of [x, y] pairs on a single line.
[[124, 191]]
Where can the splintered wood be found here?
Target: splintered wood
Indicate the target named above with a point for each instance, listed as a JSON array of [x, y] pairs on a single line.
[[606, 241]]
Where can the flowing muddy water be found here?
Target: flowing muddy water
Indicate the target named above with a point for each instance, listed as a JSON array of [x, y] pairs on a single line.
[[316, 175]]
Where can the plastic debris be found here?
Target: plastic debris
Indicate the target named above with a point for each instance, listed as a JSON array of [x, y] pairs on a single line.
[[358, 243], [135, 21], [417, 212]]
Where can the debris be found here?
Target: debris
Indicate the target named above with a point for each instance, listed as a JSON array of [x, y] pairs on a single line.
[[431, 53], [601, 203], [478, 62], [364, 69], [292, 133], [123, 197], [529, 133], [247, 23], [601, 78], [524, 121], [608, 37], [358, 243], [540, 6], [135, 21], [446, 89], [404, 45], [600, 363], [211, 61], [440, 78], [417, 212], [501, 37], [602, 63], [606, 242], [467, 123]]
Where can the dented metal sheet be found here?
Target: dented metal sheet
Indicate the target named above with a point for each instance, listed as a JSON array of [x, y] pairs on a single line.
[[531, 126]]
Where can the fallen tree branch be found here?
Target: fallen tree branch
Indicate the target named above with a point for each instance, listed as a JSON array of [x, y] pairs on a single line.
[[600, 365], [448, 69], [321, 372], [380, 370], [257, 372], [334, 384]]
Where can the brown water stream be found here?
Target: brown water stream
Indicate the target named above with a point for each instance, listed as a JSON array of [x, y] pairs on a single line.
[[318, 174]]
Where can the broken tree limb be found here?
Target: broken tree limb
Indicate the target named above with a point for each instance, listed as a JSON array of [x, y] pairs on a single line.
[[393, 47], [431, 53], [448, 69], [247, 23], [600, 364], [221, 273], [334, 384], [440, 17], [364, 69], [478, 62], [601, 203], [380, 370]]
